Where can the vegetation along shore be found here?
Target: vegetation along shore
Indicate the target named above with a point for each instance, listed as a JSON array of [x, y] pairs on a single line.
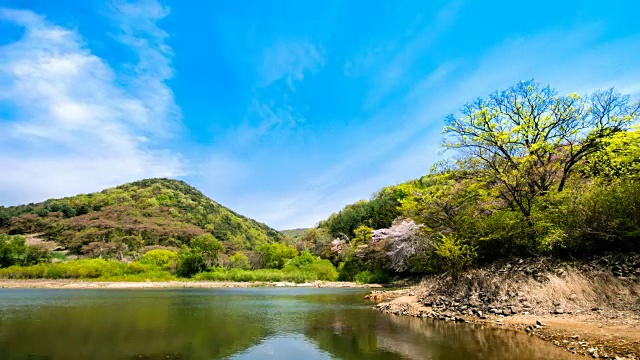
[[533, 222]]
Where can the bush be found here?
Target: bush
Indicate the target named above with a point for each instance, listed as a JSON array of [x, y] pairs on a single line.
[[454, 256], [13, 251], [239, 261], [190, 263], [604, 216], [368, 277], [164, 259], [318, 270], [87, 269], [275, 255]]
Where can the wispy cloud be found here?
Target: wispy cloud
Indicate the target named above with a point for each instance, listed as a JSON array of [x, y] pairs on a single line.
[[78, 125], [412, 148], [284, 66], [390, 65], [289, 61]]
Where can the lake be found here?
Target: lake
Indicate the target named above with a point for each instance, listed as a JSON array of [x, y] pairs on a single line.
[[248, 323]]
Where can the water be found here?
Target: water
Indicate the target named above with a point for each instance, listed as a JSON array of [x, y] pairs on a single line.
[[257, 323]]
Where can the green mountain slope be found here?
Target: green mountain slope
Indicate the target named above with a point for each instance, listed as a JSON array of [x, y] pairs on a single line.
[[148, 212]]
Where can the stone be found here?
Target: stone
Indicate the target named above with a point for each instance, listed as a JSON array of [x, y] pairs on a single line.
[[538, 322], [558, 311]]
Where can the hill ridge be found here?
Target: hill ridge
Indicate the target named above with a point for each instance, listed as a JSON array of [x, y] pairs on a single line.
[[147, 212]]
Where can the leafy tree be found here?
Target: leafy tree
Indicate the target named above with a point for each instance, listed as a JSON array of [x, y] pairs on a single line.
[[14, 251], [276, 255], [239, 261], [207, 246], [619, 157], [528, 138], [190, 263], [454, 255], [318, 238], [362, 236], [159, 257]]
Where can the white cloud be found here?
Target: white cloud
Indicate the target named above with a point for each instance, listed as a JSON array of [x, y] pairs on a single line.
[[289, 61], [75, 127], [284, 66]]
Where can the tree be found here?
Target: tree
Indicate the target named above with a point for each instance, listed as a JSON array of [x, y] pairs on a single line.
[[362, 236], [208, 247], [160, 257], [276, 255], [620, 157], [239, 261], [528, 138]]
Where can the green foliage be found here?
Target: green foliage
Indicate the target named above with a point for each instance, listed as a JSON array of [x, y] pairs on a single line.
[[603, 217], [87, 269], [13, 251], [147, 212], [619, 157], [161, 258], [528, 138], [362, 236], [275, 255], [453, 255], [190, 263], [315, 240], [377, 213], [368, 277], [239, 261], [209, 247], [297, 271]]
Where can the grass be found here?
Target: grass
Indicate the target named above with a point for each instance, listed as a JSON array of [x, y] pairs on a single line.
[[102, 270], [96, 269]]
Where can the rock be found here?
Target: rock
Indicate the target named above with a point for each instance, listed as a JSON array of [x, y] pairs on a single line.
[[558, 311], [538, 322]]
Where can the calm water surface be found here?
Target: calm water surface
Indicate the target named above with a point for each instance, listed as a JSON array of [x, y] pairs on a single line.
[[260, 323]]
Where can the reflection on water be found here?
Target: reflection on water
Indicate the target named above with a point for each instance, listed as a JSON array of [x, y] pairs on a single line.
[[263, 323]]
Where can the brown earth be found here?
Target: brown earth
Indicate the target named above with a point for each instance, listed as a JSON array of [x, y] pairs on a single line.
[[589, 307]]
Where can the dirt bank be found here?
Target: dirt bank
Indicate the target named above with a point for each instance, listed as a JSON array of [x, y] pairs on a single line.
[[589, 307], [81, 284]]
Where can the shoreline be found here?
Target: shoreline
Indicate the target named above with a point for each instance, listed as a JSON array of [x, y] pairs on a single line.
[[589, 306], [591, 335], [173, 284]]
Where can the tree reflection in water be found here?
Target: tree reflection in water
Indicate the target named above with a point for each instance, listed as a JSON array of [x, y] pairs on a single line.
[[237, 324]]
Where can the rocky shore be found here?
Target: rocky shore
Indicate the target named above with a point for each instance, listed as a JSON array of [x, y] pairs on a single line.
[[589, 307]]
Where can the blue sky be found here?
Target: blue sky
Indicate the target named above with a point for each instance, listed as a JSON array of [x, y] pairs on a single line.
[[284, 111]]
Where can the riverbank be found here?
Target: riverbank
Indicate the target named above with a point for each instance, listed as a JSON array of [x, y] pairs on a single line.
[[84, 284], [589, 307]]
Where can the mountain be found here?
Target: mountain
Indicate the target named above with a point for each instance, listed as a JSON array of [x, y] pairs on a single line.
[[161, 212], [294, 233]]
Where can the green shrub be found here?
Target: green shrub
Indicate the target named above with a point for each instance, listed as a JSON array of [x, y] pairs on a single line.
[[239, 261], [368, 277], [161, 258], [454, 255], [190, 263]]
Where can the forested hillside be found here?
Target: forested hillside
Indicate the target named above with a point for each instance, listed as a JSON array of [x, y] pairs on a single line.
[[530, 173], [129, 217]]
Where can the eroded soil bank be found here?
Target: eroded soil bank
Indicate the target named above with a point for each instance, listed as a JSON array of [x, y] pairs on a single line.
[[82, 284], [589, 307]]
